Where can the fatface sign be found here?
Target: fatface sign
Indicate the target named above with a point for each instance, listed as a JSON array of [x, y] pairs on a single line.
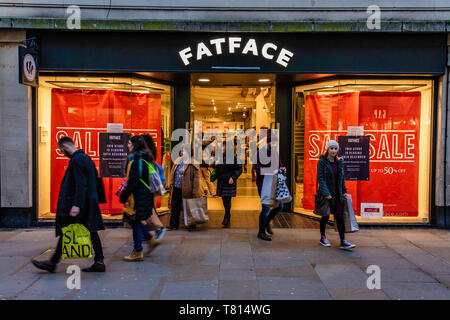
[[236, 45]]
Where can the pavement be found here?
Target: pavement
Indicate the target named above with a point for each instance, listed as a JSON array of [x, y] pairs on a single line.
[[232, 264]]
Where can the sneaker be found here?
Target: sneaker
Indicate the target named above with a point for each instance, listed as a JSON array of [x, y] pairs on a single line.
[[160, 233], [346, 245], [324, 241]]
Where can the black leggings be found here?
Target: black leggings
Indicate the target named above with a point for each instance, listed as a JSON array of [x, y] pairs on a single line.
[[227, 205], [339, 220]]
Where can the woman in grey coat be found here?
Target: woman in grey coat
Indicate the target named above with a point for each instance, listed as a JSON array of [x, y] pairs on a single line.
[[330, 175]]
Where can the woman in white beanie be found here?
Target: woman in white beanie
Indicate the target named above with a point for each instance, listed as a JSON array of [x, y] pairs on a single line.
[[330, 176]]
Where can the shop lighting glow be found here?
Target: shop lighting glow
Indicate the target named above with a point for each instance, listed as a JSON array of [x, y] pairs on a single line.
[[148, 83], [203, 80], [82, 79], [264, 80]]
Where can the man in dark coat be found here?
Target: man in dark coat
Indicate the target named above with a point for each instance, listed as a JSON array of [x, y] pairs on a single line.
[[77, 203]]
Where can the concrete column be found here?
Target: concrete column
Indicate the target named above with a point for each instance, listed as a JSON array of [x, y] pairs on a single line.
[[15, 128]]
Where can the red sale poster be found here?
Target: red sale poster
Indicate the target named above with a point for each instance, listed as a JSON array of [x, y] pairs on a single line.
[[324, 116], [392, 120], [83, 114]]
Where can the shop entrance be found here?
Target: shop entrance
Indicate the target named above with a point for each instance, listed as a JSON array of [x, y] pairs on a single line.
[[223, 104]]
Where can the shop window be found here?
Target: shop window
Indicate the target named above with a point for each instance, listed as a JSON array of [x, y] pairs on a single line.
[[83, 108], [396, 115]]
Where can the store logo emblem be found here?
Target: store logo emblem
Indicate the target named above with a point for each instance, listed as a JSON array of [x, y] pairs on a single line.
[[268, 50], [74, 281], [374, 20], [74, 20], [29, 67]]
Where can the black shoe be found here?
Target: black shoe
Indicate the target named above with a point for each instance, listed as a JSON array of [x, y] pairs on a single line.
[[98, 266], [191, 227], [264, 236], [269, 228], [226, 221], [171, 228], [44, 265]]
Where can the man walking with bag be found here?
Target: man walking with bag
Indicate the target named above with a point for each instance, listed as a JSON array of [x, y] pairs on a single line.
[[77, 202]]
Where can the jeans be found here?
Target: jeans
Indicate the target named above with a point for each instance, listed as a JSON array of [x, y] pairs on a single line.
[[139, 230], [266, 214], [145, 233], [96, 244], [176, 202]]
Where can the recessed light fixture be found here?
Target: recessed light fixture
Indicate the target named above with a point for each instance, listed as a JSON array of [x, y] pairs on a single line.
[[82, 79], [229, 108], [329, 86], [203, 80], [135, 84], [148, 82], [264, 80], [378, 90]]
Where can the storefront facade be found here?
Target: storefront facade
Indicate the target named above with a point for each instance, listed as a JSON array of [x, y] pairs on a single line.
[[390, 83]]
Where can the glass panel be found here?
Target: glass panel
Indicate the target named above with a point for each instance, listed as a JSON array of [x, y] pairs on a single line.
[[396, 115], [82, 108]]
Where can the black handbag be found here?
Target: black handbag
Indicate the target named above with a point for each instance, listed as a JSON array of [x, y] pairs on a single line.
[[321, 204]]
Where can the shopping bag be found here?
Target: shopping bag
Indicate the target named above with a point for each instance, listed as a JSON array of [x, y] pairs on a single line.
[[282, 191], [195, 211], [350, 223], [76, 242], [153, 223], [268, 190]]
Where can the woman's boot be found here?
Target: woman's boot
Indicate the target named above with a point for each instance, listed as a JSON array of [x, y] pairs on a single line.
[[226, 220]]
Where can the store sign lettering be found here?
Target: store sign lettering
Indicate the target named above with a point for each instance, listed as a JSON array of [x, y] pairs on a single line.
[[232, 45], [392, 146]]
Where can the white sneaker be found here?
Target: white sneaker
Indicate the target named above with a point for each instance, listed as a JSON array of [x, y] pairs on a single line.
[[345, 245], [325, 242]]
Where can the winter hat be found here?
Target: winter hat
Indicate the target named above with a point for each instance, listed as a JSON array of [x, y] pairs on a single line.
[[332, 143]]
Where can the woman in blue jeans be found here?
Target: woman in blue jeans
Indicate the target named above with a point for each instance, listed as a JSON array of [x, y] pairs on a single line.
[[267, 214], [143, 198]]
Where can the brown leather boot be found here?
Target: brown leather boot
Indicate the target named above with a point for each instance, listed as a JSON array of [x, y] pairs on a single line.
[[152, 244], [135, 256]]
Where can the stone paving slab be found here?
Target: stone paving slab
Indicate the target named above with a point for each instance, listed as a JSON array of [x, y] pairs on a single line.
[[233, 264]]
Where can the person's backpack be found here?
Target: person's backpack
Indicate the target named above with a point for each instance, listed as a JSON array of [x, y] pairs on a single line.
[[155, 185]]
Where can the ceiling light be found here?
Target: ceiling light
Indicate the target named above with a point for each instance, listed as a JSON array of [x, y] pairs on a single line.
[[203, 80], [82, 79], [135, 84], [148, 83], [264, 80], [192, 110], [237, 107], [229, 108], [329, 86]]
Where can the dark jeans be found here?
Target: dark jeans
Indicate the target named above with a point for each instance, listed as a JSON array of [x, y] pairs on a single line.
[[176, 202], [139, 232], [266, 214], [96, 244], [227, 205]]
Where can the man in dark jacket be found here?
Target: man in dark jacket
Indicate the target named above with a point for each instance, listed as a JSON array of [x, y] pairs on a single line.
[[77, 203]]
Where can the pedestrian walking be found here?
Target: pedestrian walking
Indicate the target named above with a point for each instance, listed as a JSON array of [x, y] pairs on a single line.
[[267, 213], [151, 148], [227, 176], [77, 203], [330, 177], [184, 184], [137, 175]]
